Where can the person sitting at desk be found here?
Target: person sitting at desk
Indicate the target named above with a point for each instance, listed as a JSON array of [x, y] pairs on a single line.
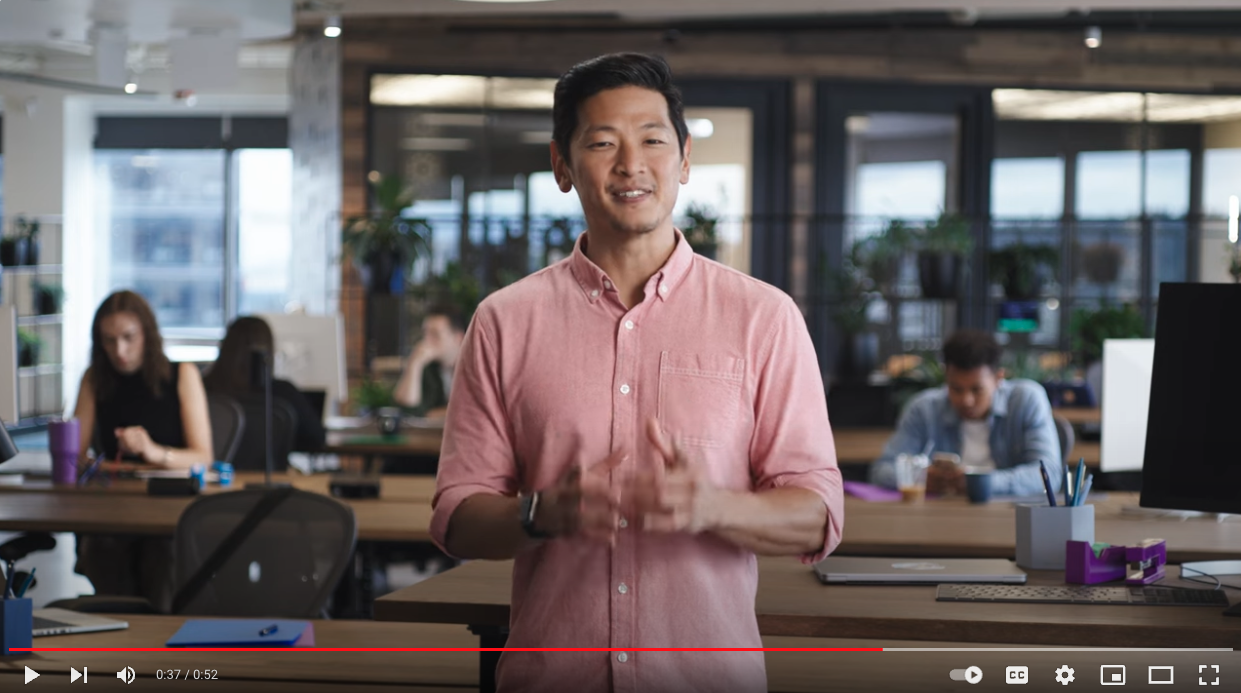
[[982, 417], [426, 381], [139, 407], [231, 375]]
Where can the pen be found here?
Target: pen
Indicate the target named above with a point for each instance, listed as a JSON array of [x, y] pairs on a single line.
[[268, 630], [1081, 480], [1086, 489], [1051, 495], [1068, 484], [26, 584], [8, 580]]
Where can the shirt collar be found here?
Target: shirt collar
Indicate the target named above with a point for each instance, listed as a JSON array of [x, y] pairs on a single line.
[[594, 282], [999, 404]]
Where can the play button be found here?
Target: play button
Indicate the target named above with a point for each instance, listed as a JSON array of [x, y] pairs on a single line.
[[973, 675], [31, 674]]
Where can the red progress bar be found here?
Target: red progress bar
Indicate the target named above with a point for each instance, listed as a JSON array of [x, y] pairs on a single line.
[[448, 649]]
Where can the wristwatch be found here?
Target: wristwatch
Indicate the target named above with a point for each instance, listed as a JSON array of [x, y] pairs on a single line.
[[530, 506]]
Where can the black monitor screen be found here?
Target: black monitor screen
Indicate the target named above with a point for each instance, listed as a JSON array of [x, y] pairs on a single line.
[[1193, 436]]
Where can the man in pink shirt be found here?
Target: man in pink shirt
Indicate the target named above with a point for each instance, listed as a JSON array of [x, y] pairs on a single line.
[[633, 424]]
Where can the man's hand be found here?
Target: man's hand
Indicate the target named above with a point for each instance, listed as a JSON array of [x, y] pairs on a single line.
[[682, 498], [134, 440], [945, 479], [424, 352], [583, 500]]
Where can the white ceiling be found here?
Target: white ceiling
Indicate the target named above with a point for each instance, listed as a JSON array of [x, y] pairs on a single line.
[[706, 9]]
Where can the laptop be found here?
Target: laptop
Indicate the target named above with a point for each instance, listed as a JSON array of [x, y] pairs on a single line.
[[845, 570], [65, 622]]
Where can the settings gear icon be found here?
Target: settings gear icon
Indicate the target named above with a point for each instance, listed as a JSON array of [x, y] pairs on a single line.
[[1064, 675]]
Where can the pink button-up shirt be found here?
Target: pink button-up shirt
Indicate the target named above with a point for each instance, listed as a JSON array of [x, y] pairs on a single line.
[[554, 372]]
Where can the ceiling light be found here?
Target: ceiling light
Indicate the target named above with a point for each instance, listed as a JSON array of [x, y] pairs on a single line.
[[331, 26], [131, 87], [1094, 37]]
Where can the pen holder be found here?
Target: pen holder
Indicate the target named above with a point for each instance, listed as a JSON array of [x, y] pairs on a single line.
[[1043, 533], [16, 625]]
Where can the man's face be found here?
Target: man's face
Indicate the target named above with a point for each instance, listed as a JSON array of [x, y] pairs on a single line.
[[970, 392], [445, 340], [627, 165]]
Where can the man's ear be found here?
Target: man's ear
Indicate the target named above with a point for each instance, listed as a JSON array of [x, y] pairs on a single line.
[[560, 168], [685, 160]]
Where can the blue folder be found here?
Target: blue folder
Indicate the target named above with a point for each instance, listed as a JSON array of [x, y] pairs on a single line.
[[266, 632]]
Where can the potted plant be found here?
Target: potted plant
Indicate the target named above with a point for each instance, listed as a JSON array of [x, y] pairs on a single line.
[[699, 229], [454, 286], [29, 230], [1022, 269], [1089, 328], [1102, 261], [385, 244], [852, 292], [29, 344], [12, 250], [943, 246], [372, 395], [48, 298], [880, 255]]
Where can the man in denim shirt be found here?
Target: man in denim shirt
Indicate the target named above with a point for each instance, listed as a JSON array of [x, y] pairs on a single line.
[[983, 418]]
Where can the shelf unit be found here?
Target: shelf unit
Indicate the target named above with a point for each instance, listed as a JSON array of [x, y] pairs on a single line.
[[40, 373]]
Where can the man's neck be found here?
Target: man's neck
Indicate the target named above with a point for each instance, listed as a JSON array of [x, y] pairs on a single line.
[[630, 261]]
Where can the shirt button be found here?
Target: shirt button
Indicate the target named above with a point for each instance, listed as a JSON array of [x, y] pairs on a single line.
[[594, 293], [623, 523], [663, 288], [623, 588], [607, 284], [628, 324], [624, 389], [622, 658]]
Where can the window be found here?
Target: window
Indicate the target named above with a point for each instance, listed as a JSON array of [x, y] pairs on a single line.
[[195, 215], [1027, 188]]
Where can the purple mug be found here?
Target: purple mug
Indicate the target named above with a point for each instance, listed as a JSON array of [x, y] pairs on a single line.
[[63, 441]]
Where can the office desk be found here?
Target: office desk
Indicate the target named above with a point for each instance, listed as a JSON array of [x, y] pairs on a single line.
[[955, 528], [865, 445], [393, 488], [110, 513], [791, 602]]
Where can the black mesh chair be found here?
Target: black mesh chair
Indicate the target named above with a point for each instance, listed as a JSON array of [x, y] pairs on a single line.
[[228, 422], [286, 567], [251, 453]]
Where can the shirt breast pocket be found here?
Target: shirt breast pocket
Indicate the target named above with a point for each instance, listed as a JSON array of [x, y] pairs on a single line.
[[699, 397]]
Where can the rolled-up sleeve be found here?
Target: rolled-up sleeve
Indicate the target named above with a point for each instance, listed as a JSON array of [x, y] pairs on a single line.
[[792, 444], [477, 452]]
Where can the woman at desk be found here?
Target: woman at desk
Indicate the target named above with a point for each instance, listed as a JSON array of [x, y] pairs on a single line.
[[230, 375], [141, 410]]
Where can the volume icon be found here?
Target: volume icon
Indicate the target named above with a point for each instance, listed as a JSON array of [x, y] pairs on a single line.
[[126, 675]]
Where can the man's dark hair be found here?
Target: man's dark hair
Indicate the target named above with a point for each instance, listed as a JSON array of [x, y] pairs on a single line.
[[613, 71], [456, 319], [969, 349]]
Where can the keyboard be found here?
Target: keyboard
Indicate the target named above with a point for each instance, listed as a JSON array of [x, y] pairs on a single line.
[[1149, 595]]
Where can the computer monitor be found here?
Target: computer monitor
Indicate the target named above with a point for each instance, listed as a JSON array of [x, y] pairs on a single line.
[[1192, 450], [1127, 365], [310, 352]]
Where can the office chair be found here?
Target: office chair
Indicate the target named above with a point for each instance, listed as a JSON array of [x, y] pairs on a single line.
[[228, 423], [1064, 430], [251, 454], [286, 567]]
